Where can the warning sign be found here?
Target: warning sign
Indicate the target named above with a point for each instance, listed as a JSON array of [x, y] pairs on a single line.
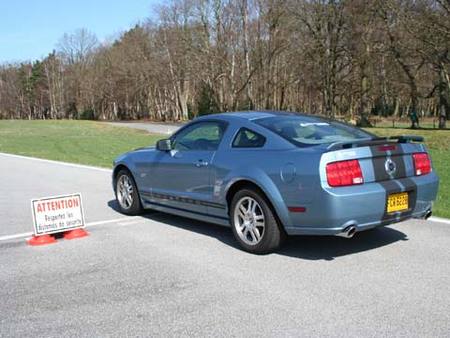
[[57, 214]]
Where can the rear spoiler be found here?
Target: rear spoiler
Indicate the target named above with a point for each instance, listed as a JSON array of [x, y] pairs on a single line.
[[407, 138], [374, 141]]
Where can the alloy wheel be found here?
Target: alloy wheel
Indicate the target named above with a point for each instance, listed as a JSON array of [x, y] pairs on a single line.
[[249, 220], [125, 192]]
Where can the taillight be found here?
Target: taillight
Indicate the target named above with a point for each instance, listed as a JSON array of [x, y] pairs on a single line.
[[422, 164], [387, 147], [344, 173]]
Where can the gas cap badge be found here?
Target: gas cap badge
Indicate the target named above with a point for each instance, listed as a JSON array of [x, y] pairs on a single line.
[[390, 166]]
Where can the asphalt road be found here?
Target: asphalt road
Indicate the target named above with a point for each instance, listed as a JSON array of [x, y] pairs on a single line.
[[151, 127], [160, 275]]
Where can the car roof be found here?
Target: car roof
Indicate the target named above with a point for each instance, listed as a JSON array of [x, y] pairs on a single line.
[[252, 115]]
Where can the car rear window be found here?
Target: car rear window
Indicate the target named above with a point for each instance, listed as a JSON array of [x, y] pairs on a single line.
[[247, 138], [305, 131]]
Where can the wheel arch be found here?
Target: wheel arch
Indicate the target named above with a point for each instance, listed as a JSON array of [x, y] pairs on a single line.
[[275, 202], [117, 169]]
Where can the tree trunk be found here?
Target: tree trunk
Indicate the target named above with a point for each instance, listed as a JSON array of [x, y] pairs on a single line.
[[244, 13], [442, 117], [443, 96], [364, 105]]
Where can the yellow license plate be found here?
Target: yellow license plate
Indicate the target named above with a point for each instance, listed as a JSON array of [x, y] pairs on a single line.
[[397, 202]]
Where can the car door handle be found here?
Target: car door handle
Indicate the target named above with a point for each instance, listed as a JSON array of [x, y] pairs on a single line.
[[201, 163]]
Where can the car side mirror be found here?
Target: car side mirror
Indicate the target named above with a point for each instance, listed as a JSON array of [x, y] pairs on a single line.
[[164, 145]]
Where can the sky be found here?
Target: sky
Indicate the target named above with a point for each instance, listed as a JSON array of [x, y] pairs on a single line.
[[30, 29]]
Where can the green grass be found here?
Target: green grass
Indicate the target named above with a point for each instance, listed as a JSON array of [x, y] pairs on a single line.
[[84, 142], [438, 143], [95, 143]]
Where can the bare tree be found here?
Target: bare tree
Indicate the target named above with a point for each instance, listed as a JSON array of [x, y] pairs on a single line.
[[77, 47], [347, 59]]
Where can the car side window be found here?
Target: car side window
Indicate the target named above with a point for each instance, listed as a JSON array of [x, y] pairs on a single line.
[[246, 138], [199, 136]]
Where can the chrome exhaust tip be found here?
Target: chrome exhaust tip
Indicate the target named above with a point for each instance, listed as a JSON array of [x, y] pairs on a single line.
[[348, 232], [428, 214]]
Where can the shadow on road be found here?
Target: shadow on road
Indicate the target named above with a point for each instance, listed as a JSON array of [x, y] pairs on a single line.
[[304, 247], [329, 247]]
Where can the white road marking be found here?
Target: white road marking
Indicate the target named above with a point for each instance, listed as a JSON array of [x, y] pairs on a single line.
[[131, 220], [439, 220], [22, 235], [126, 223], [88, 225], [67, 164], [82, 166], [91, 224]]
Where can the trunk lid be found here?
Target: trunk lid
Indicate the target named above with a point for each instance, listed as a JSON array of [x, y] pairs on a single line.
[[380, 160]]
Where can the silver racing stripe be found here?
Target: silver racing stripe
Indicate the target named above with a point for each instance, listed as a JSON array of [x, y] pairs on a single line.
[[411, 188], [393, 183], [379, 158]]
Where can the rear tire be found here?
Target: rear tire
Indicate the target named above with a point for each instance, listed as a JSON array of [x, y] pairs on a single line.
[[254, 224], [127, 195]]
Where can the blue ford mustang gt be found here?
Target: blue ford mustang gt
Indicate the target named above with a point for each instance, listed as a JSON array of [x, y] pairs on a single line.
[[272, 174]]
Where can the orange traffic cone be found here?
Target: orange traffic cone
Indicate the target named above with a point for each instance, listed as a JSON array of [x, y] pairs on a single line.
[[76, 233], [41, 240]]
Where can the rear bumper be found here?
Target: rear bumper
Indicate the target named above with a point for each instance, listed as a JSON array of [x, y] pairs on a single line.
[[324, 231], [363, 206]]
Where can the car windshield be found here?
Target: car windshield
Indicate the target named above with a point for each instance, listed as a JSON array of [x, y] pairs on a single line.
[[305, 131]]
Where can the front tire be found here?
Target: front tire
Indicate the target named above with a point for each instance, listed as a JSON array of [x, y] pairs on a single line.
[[127, 195], [254, 224]]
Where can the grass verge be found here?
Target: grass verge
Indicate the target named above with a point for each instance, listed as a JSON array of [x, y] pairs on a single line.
[[83, 142]]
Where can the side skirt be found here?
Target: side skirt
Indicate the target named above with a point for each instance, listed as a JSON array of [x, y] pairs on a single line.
[[186, 213]]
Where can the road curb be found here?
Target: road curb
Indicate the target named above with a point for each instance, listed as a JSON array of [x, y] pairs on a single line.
[[67, 164]]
